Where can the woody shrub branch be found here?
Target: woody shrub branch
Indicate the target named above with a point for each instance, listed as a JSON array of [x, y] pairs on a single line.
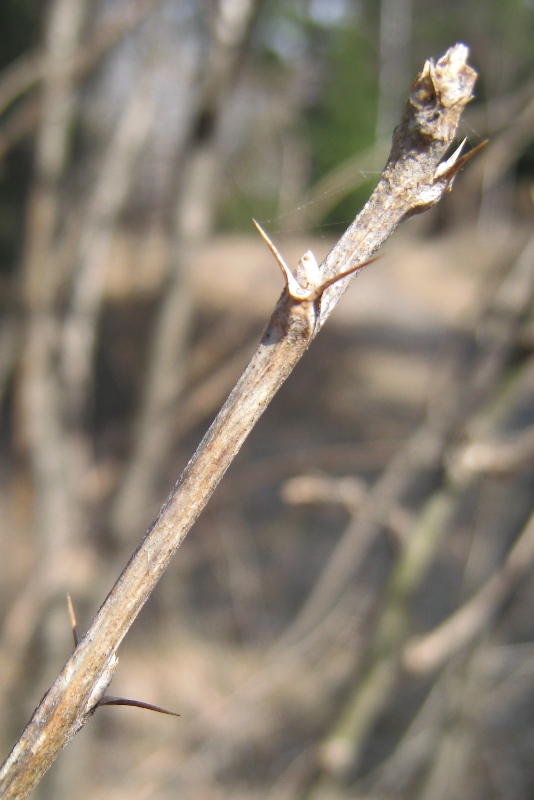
[[414, 178]]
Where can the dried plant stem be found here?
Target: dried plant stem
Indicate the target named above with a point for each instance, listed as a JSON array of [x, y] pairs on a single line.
[[413, 180]]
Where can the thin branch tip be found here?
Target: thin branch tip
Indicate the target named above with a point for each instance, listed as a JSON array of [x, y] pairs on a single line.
[[439, 94]]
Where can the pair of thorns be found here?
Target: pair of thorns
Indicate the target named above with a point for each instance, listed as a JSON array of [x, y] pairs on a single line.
[[444, 174], [310, 269]]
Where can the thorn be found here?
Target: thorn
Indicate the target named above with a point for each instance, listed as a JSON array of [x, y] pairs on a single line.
[[445, 166], [123, 701], [291, 282], [315, 292], [108, 700], [72, 617], [474, 150], [448, 169], [330, 281]]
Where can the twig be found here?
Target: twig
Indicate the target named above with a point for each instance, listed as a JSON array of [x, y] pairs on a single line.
[[424, 654], [107, 199], [28, 70], [26, 73], [343, 746], [41, 425], [474, 407], [412, 182], [197, 167]]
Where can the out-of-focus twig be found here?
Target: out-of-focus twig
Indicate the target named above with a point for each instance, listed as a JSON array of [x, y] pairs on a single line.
[[472, 407], [41, 397], [198, 169], [103, 208], [29, 70], [503, 456], [422, 655], [348, 491], [497, 328], [424, 450]]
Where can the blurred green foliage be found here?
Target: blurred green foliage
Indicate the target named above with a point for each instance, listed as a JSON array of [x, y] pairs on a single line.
[[343, 121]]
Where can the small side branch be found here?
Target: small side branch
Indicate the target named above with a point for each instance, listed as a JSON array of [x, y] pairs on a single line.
[[413, 180]]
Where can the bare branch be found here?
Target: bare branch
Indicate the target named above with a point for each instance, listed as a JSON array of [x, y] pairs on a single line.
[[197, 168], [27, 72], [427, 653], [411, 182]]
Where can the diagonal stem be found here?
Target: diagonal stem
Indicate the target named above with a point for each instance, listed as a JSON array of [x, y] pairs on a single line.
[[409, 184]]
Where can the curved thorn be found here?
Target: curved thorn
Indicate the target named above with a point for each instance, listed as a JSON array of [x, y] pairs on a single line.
[[123, 701], [330, 281], [291, 282], [72, 617], [448, 169]]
